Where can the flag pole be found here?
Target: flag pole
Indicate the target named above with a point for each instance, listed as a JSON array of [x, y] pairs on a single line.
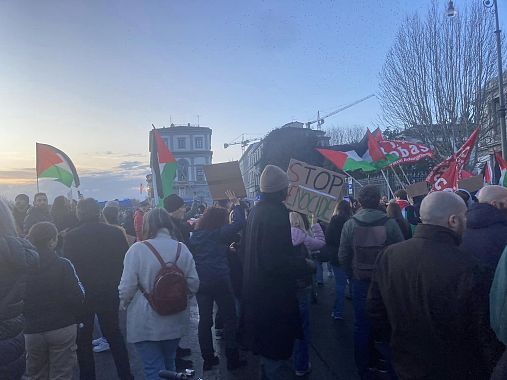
[[387, 182], [37, 167], [406, 178], [398, 178]]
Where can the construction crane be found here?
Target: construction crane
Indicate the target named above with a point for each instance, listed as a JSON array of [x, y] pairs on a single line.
[[244, 142], [320, 120]]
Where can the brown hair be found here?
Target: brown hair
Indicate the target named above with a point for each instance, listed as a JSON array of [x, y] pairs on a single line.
[[41, 234], [213, 218]]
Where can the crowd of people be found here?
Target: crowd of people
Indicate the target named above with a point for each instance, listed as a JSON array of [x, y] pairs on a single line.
[[427, 278]]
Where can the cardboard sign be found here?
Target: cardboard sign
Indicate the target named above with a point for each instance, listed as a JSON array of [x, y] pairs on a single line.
[[416, 189], [313, 190], [471, 184], [223, 177]]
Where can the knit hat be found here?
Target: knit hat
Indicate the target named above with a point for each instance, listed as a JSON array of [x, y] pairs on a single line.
[[273, 179], [173, 202]]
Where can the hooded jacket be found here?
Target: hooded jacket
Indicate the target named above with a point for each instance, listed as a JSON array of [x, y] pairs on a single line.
[[365, 215], [431, 299], [486, 234], [17, 259], [54, 296], [210, 250]]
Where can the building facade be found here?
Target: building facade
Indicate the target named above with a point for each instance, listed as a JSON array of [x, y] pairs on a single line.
[[248, 164], [191, 147]]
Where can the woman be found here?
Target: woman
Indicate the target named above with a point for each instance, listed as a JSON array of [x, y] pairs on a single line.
[[394, 212], [53, 303], [209, 244], [63, 217], [155, 336], [341, 214], [111, 216], [17, 258], [305, 242]]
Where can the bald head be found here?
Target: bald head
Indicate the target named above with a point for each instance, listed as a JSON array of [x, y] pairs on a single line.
[[493, 195], [440, 207]]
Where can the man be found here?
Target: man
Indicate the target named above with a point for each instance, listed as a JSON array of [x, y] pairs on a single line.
[[21, 205], [142, 208], [38, 213], [363, 237], [401, 199], [486, 234], [432, 300], [176, 208], [270, 320], [97, 251]]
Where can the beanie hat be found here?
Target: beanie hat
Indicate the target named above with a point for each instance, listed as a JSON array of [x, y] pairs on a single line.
[[273, 179], [172, 203]]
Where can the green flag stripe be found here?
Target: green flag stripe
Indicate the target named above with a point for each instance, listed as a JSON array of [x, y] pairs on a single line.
[[59, 174]]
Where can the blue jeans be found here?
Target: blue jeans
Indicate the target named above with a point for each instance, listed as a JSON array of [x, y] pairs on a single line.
[[363, 344], [340, 279], [276, 369], [319, 274], [157, 356], [301, 348]]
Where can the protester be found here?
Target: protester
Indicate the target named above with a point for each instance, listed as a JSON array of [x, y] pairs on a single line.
[[431, 299], [17, 259], [209, 244], [270, 315], [97, 251], [61, 214], [363, 237], [341, 214], [394, 212], [486, 234], [53, 304], [142, 208], [38, 213], [466, 196], [176, 208], [155, 336], [21, 205], [401, 199], [111, 216], [412, 212], [305, 242]]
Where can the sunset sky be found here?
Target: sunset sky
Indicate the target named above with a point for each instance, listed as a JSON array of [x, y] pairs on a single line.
[[90, 77]]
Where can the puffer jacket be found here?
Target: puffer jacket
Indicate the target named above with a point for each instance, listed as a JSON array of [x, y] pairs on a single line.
[[17, 258]]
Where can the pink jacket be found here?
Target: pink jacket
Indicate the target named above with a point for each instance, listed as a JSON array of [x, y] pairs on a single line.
[[313, 243]]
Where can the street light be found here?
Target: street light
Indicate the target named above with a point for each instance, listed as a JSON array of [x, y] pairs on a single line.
[[451, 12]]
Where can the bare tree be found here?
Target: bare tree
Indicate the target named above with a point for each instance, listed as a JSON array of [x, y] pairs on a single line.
[[345, 135], [435, 78]]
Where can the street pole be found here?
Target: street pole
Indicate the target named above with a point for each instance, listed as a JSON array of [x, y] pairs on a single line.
[[501, 109]]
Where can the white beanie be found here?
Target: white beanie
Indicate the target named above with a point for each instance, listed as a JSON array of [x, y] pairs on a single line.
[[273, 179]]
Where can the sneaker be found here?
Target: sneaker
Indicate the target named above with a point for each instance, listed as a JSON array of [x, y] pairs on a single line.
[[183, 364], [304, 373], [98, 341], [337, 316], [219, 333], [102, 347]]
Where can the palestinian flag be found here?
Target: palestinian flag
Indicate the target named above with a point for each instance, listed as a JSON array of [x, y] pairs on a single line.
[[53, 163], [366, 155], [487, 174], [503, 169], [163, 167]]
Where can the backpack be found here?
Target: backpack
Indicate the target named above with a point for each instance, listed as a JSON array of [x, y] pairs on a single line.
[[169, 291], [368, 240]]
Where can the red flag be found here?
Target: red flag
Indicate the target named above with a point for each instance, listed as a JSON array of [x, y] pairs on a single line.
[[407, 152], [376, 153], [487, 174]]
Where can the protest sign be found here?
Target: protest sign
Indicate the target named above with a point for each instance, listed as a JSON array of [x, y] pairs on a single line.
[[471, 184], [223, 177], [313, 190], [417, 189]]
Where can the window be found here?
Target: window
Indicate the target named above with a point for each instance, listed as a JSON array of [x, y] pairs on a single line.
[[199, 174], [181, 143], [199, 143]]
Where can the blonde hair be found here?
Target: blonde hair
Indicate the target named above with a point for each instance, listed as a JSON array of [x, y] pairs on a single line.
[[296, 220]]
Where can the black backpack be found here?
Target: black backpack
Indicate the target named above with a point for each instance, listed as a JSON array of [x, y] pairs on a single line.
[[368, 240]]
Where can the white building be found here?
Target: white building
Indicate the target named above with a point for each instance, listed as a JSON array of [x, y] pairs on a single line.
[[191, 147], [248, 164]]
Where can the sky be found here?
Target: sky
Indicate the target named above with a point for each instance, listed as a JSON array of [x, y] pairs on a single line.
[[90, 77]]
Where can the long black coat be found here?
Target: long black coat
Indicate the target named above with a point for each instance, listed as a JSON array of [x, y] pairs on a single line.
[[17, 259], [333, 234], [431, 298], [97, 251], [270, 320]]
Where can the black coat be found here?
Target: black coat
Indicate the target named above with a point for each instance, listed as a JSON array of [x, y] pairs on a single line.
[[333, 234], [35, 215], [431, 299], [97, 251], [17, 259], [270, 321], [486, 234], [54, 297]]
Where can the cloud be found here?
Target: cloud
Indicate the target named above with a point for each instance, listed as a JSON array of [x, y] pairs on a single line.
[[133, 165]]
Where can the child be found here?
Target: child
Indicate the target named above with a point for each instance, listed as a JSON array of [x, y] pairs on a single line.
[[54, 298]]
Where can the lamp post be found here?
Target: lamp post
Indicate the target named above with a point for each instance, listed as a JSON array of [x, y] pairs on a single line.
[[451, 12]]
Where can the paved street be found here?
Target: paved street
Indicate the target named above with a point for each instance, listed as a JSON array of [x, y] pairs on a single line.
[[331, 349]]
